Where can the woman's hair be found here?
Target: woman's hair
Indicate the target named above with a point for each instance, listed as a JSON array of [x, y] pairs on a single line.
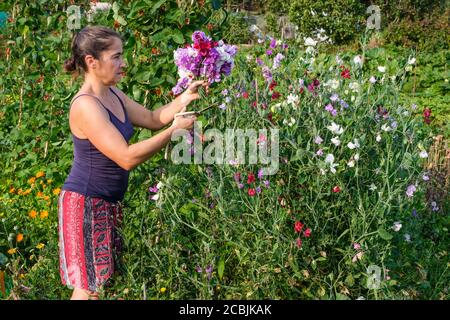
[[91, 40]]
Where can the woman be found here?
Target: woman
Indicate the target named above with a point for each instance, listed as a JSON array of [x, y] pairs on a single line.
[[101, 120]]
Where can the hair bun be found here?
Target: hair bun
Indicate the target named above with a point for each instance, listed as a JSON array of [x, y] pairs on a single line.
[[70, 65]]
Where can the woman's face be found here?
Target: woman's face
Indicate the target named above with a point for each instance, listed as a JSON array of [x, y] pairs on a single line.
[[109, 68]]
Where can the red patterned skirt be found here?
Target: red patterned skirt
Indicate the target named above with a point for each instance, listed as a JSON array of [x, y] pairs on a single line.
[[89, 242]]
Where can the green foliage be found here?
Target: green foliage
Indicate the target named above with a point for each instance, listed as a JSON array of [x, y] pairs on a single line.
[[344, 19], [202, 218], [237, 29]]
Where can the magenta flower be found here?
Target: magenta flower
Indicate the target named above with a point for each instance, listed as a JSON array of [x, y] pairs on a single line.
[[205, 58]]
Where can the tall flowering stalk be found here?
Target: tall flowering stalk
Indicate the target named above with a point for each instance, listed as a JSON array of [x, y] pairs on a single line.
[[203, 59]]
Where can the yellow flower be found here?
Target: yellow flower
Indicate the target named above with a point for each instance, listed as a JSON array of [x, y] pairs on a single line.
[[19, 237], [44, 185], [44, 214], [162, 290], [40, 174], [22, 276], [19, 192], [40, 194], [40, 246], [56, 191], [49, 181], [12, 251], [31, 180], [12, 190], [32, 214], [46, 198]]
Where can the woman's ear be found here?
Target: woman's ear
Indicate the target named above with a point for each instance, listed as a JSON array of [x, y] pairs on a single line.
[[91, 62]]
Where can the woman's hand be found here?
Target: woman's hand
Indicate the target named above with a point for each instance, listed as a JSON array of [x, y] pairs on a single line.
[[191, 93], [184, 122]]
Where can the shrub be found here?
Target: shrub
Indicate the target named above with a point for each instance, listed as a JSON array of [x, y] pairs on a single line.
[[342, 20]]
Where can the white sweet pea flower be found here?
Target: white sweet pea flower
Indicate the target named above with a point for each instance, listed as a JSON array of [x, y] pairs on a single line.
[[356, 156], [407, 237], [335, 128], [289, 122], [336, 141], [372, 80], [386, 128], [155, 197], [332, 83], [378, 138], [412, 61], [354, 86], [159, 185], [357, 60], [329, 158], [292, 99], [351, 163], [397, 226], [310, 50], [382, 69], [318, 140], [373, 187], [310, 42], [354, 144], [423, 154]]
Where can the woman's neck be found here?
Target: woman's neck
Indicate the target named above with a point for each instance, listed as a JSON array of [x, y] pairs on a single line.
[[95, 87]]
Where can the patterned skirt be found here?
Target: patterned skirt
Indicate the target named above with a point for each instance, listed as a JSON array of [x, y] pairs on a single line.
[[89, 242]]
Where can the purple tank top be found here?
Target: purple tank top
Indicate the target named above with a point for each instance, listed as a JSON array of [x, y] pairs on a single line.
[[94, 174]]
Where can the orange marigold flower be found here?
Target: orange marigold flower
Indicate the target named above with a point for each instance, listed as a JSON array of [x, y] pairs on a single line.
[[19, 191], [56, 191], [40, 174], [28, 191], [40, 194], [44, 214], [40, 245], [46, 198], [19, 237], [12, 190], [12, 251], [31, 180], [32, 214]]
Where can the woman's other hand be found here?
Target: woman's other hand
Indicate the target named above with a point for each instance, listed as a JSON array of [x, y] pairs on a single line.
[[184, 122]]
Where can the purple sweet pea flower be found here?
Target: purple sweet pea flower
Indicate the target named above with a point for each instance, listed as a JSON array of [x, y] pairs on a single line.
[[208, 271], [329, 107], [273, 43], [410, 190], [260, 174]]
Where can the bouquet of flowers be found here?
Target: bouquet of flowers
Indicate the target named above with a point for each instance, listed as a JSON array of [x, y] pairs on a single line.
[[203, 59]]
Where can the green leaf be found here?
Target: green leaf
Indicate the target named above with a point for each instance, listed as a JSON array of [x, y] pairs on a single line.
[[3, 259], [340, 296], [115, 7], [156, 6], [177, 36], [136, 92], [384, 234], [221, 268], [143, 76], [121, 20]]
